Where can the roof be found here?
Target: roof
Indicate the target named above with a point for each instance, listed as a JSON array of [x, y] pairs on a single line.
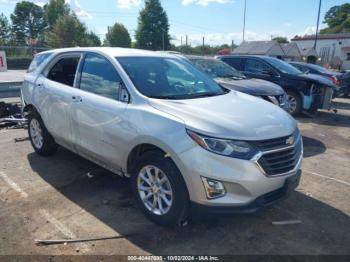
[[259, 48], [309, 52], [291, 49], [112, 51], [322, 37]]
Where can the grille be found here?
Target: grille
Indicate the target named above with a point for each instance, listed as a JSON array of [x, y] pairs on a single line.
[[281, 162], [276, 143]]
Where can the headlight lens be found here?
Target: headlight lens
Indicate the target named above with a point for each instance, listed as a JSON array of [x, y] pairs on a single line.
[[231, 148]]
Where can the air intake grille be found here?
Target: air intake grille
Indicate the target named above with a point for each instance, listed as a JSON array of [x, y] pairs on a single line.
[[280, 162]]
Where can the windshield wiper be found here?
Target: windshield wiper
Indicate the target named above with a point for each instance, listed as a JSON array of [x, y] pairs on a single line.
[[206, 94], [170, 97]]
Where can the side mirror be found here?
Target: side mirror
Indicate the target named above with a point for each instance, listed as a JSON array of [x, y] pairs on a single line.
[[123, 94]]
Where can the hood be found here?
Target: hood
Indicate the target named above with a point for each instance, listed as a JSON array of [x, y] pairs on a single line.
[[256, 87], [233, 116], [315, 78]]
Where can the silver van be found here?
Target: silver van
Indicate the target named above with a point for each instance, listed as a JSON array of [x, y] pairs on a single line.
[[185, 142]]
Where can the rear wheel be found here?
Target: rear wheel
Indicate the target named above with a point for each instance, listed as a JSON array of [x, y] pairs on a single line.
[[294, 100], [159, 189], [42, 142]]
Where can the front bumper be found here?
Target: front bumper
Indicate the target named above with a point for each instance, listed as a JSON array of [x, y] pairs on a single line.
[[244, 180], [261, 202]]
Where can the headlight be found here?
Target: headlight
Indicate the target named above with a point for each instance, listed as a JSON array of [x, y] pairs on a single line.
[[231, 148]]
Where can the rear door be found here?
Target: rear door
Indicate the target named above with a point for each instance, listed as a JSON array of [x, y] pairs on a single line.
[[56, 88], [98, 115], [256, 68]]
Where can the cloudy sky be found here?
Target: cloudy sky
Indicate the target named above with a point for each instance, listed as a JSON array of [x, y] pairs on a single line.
[[219, 21]]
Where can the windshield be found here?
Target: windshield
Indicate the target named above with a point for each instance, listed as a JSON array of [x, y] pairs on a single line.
[[319, 69], [216, 68], [283, 66], [168, 78]]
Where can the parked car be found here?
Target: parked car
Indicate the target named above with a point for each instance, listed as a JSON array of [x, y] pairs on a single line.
[[184, 141], [230, 78], [306, 92], [339, 79]]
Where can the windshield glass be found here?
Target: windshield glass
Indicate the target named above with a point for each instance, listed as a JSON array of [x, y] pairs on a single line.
[[319, 68], [283, 66], [168, 78], [216, 68]]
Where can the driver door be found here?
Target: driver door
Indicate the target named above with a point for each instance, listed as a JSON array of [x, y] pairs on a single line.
[[99, 116]]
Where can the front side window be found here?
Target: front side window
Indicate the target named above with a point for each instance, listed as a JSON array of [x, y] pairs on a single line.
[[256, 66], [64, 70], [283, 66], [168, 78], [99, 76], [216, 68]]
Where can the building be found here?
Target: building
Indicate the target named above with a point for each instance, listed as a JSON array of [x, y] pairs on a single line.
[[268, 48], [292, 52], [333, 49]]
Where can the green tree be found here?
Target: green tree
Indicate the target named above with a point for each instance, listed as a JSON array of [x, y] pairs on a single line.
[[118, 36], [27, 21], [281, 39], [68, 31], [53, 10], [338, 19], [153, 27], [5, 30], [93, 39]]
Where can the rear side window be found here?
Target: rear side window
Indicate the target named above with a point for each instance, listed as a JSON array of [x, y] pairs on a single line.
[[234, 62], [255, 66], [37, 61], [99, 76], [64, 70]]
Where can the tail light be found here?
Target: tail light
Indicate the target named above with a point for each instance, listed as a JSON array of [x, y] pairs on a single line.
[[335, 80]]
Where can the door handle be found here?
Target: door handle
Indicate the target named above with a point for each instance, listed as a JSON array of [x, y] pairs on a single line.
[[77, 99]]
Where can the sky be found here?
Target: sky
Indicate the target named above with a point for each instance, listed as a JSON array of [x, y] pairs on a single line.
[[218, 21]]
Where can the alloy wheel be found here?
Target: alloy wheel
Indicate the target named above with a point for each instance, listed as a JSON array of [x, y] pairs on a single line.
[[36, 133], [155, 190], [292, 103]]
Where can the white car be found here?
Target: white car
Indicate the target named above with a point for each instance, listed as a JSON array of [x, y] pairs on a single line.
[[184, 141]]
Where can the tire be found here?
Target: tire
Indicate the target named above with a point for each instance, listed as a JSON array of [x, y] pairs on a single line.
[[177, 212], [41, 140], [295, 103]]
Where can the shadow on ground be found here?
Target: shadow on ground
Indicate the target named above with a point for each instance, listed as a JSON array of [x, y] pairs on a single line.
[[313, 147], [341, 105], [327, 118], [324, 229]]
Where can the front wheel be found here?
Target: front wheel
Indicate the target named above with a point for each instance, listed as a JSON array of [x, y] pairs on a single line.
[[294, 100], [159, 189]]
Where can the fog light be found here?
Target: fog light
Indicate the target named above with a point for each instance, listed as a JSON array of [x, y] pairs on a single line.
[[213, 188]]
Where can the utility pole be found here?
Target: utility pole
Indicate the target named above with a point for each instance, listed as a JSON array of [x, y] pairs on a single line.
[[186, 40], [181, 45], [108, 35], [318, 24], [203, 46], [232, 45], [244, 16]]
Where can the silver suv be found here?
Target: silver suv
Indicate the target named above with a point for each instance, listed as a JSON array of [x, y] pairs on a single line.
[[185, 142]]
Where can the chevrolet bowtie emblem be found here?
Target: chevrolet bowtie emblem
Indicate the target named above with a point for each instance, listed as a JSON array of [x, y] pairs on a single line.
[[290, 141]]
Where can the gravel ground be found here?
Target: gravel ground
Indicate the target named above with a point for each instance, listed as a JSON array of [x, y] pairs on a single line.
[[53, 198]]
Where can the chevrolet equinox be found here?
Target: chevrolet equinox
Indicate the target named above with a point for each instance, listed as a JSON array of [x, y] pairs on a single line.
[[185, 142]]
